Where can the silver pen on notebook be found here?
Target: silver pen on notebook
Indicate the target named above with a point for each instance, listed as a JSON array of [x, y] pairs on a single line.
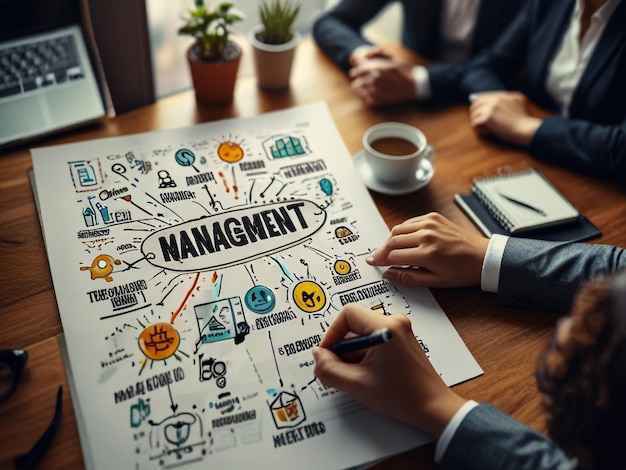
[[523, 204]]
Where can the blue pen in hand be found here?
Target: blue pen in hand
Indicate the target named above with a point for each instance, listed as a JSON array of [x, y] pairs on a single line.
[[361, 342]]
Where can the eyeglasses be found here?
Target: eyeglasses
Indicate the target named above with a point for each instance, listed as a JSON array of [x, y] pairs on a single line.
[[12, 362]]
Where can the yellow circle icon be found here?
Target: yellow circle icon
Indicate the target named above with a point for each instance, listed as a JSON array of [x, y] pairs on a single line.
[[342, 267], [309, 296], [159, 341], [230, 152]]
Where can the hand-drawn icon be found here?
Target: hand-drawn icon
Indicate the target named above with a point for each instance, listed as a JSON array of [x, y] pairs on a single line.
[[288, 146], [327, 186], [342, 232], [138, 413], [119, 169], [211, 368], [230, 152], [165, 180], [342, 267], [89, 216], [159, 341], [309, 296], [101, 267], [104, 213], [221, 320], [85, 174], [260, 299], [177, 439], [185, 157], [287, 410]]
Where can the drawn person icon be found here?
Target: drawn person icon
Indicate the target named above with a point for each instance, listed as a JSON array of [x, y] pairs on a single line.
[[165, 180]]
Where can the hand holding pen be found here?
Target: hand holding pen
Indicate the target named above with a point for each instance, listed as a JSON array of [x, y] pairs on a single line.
[[393, 378], [357, 343]]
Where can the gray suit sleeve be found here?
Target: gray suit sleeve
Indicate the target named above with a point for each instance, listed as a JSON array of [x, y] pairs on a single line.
[[546, 275], [489, 439]]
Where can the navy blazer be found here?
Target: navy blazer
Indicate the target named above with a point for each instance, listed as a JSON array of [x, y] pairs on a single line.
[[593, 138], [488, 439], [546, 275], [338, 32]]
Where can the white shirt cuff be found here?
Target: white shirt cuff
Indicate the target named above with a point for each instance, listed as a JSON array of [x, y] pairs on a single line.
[[451, 427], [422, 82], [490, 276], [362, 50]]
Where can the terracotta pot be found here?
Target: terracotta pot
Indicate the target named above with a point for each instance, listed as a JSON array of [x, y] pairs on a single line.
[[272, 61], [214, 82]]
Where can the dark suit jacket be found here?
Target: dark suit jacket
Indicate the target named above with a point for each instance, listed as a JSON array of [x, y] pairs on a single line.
[[546, 275], [593, 139], [534, 274], [490, 439], [338, 32]]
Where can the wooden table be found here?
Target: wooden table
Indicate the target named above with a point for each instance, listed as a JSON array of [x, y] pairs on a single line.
[[505, 342]]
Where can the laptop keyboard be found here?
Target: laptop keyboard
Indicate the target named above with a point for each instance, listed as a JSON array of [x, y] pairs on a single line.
[[45, 63]]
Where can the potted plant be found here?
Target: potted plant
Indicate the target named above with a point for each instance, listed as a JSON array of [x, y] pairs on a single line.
[[274, 42], [213, 58]]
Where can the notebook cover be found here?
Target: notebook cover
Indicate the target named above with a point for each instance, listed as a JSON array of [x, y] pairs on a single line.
[[545, 206], [577, 231]]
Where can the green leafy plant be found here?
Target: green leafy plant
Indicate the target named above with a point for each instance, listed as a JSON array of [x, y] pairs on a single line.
[[210, 28], [277, 19]]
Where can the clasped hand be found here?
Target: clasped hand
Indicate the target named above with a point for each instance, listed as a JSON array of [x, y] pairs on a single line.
[[380, 79]]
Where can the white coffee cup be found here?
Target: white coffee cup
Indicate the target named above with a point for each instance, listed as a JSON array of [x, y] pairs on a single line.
[[394, 151]]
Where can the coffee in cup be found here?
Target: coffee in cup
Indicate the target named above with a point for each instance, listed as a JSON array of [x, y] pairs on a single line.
[[394, 151]]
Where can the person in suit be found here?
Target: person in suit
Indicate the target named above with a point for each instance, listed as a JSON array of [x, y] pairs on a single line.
[[444, 32], [525, 273], [580, 375], [572, 55]]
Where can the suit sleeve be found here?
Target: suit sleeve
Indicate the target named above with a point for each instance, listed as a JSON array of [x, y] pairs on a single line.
[[445, 82], [337, 32], [546, 275], [489, 439], [594, 149]]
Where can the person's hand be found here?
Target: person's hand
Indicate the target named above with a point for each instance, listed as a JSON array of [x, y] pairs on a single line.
[[505, 115], [380, 81], [394, 379], [365, 53], [431, 251]]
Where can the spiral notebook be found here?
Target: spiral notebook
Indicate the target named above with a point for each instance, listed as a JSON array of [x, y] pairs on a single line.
[[524, 202]]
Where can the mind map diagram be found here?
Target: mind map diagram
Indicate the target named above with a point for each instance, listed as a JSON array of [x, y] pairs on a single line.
[[195, 270]]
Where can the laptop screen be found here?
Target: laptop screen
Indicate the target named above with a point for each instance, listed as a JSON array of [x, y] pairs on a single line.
[[23, 17], [47, 82]]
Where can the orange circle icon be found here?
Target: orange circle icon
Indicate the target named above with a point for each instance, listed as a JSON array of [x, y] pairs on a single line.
[[230, 152], [159, 341]]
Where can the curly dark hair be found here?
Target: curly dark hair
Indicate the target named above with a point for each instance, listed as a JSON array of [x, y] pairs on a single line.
[[582, 375]]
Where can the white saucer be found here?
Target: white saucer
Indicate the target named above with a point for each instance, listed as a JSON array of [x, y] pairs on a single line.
[[422, 177]]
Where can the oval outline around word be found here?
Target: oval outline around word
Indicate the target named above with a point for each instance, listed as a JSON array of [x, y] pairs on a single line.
[[304, 216]]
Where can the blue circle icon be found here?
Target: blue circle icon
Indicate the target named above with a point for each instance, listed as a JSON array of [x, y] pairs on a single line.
[[185, 157], [260, 299]]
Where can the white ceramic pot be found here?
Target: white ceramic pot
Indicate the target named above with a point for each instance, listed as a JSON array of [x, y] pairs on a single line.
[[272, 62]]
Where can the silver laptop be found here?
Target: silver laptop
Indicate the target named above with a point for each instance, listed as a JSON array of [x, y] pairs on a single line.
[[47, 84]]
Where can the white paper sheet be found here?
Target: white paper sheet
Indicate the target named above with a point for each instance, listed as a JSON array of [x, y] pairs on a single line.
[[195, 269]]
